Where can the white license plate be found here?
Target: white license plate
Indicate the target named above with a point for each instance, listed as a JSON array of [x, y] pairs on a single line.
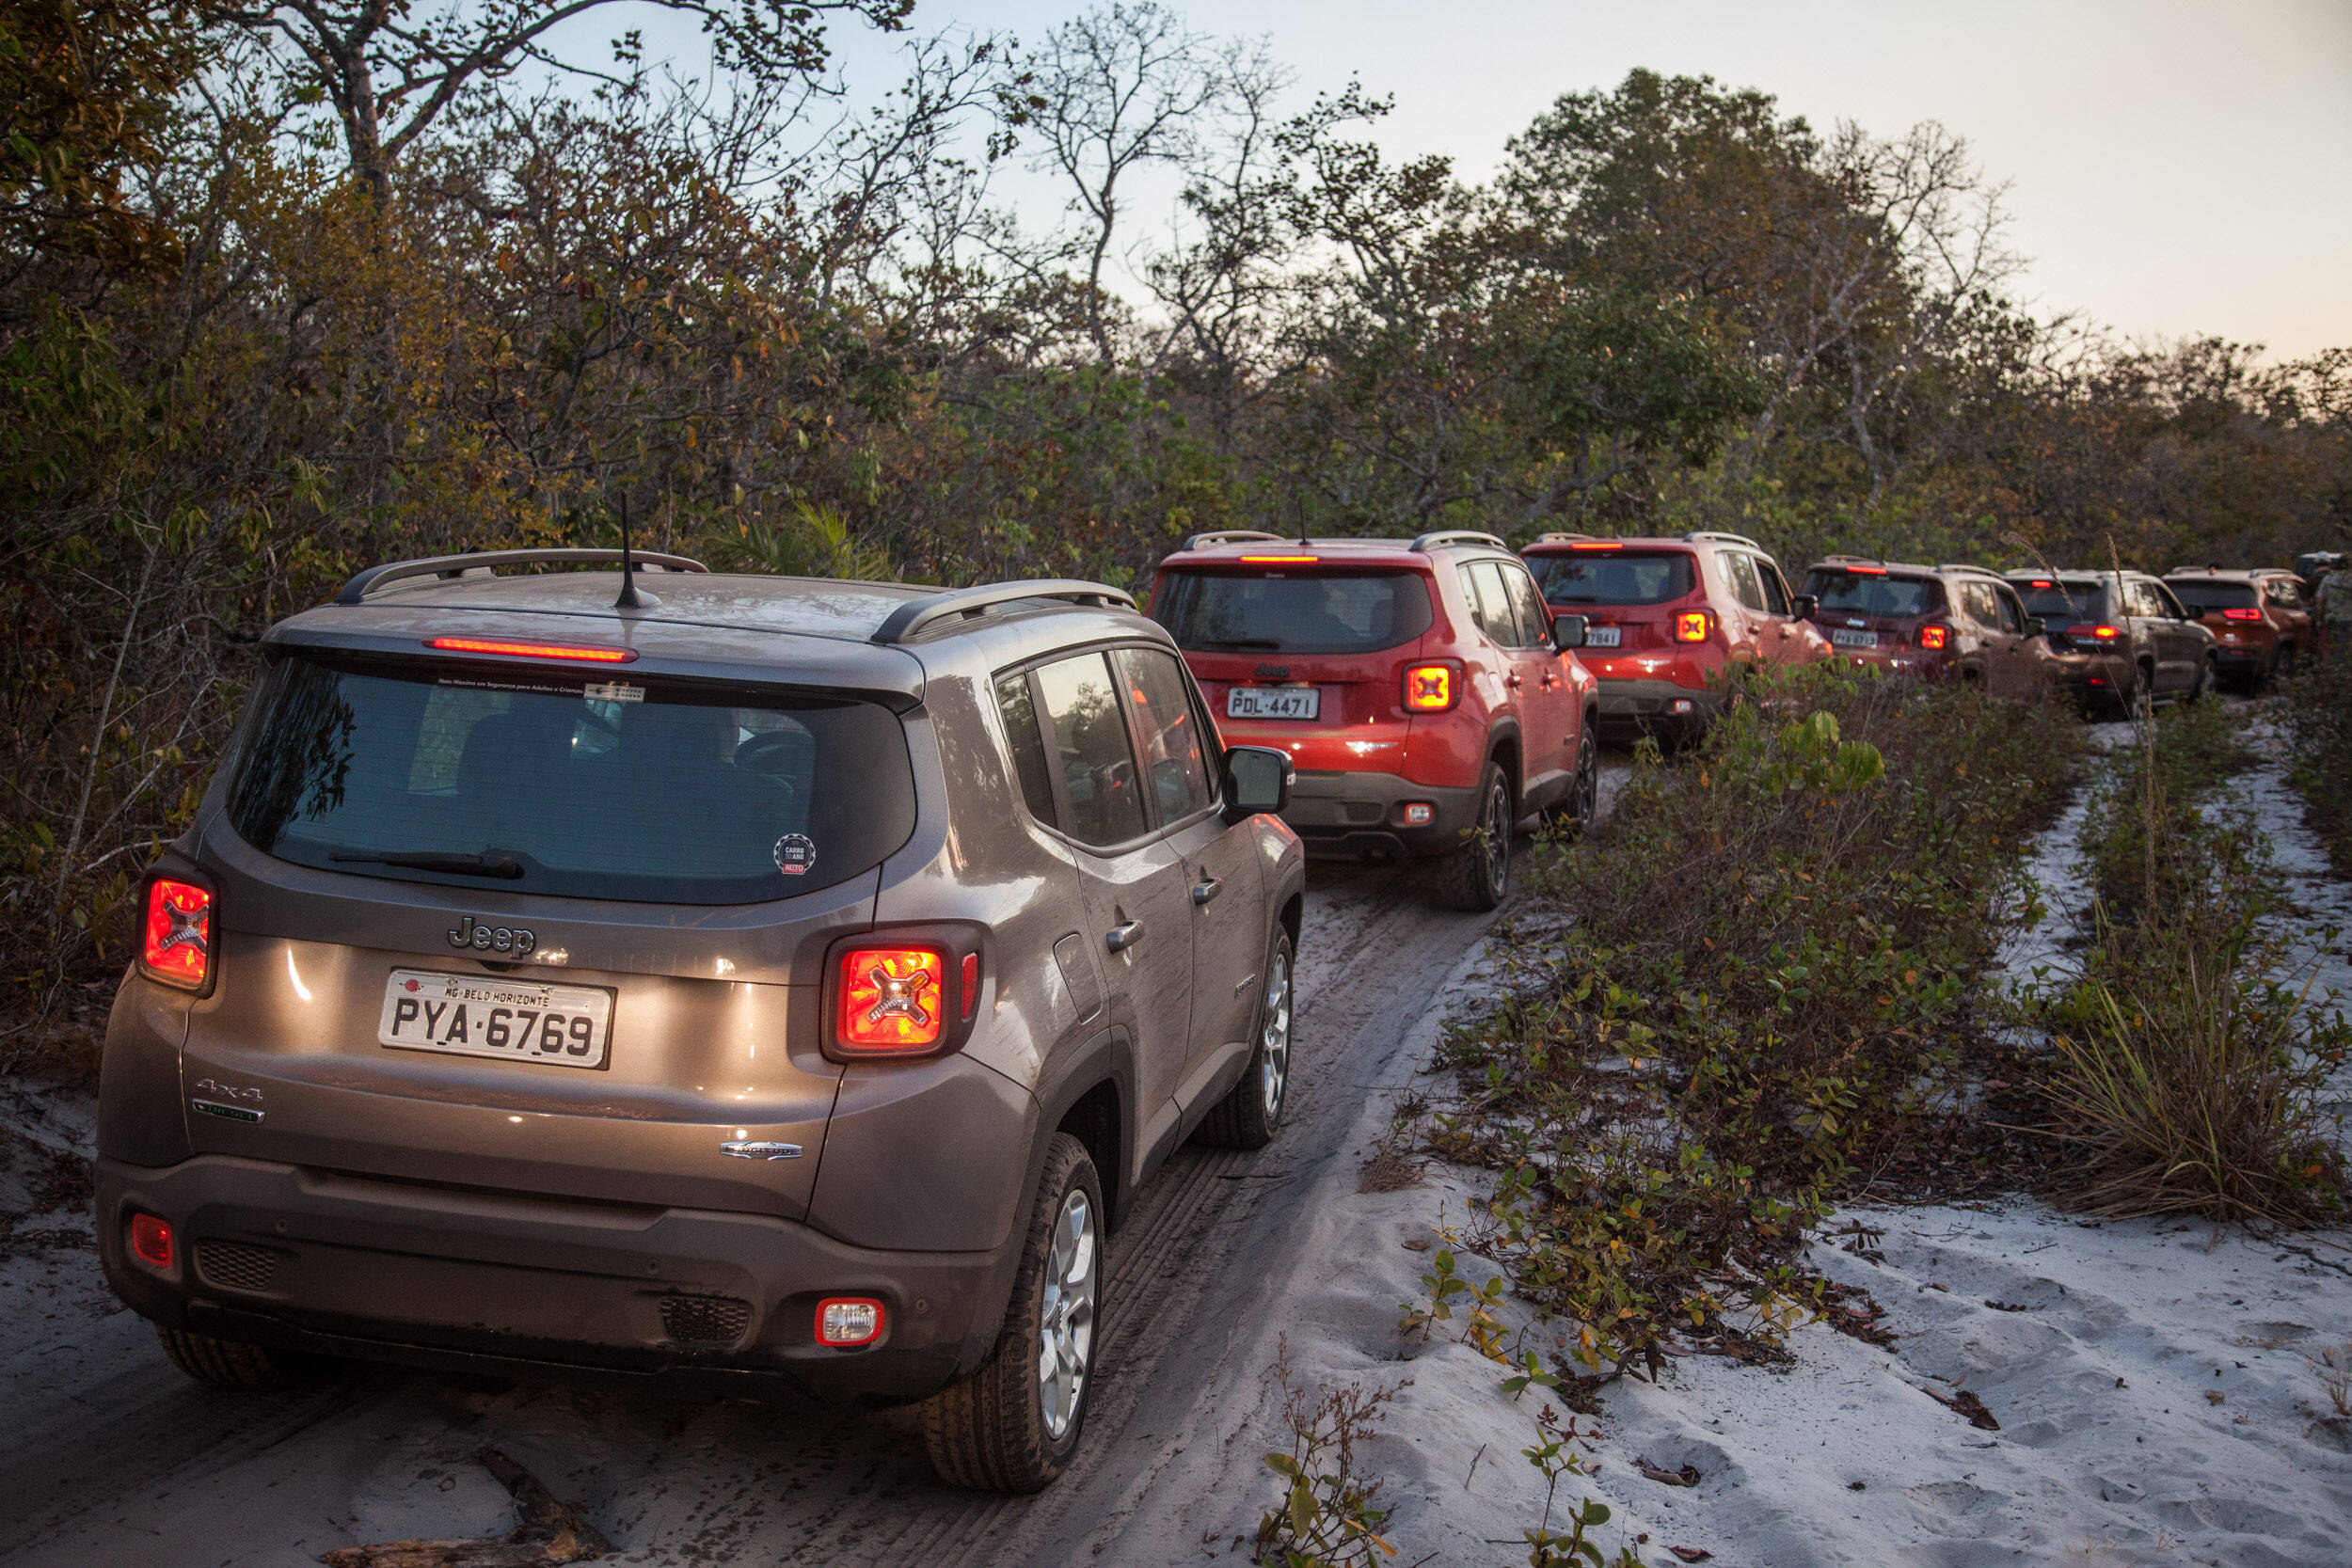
[[1844, 639], [1273, 702], [468, 1015], [1604, 637]]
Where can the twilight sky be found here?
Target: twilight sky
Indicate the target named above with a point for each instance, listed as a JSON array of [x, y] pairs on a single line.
[[2176, 167]]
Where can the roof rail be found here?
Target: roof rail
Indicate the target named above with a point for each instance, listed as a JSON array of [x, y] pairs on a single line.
[[1562, 538], [918, 615], [1723, 538], [376, 578], [1869, 558], [1965, 566], [1435, 537], [1233, 536]]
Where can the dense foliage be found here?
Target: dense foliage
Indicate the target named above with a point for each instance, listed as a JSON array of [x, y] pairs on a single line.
[[270, 310]]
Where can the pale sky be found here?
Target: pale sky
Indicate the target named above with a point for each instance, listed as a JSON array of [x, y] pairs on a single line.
[[2176, 167]]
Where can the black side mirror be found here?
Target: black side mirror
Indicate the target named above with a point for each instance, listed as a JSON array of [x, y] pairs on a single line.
[[2036, 626], [1258, 780], [1567, 631], [1805, 606]]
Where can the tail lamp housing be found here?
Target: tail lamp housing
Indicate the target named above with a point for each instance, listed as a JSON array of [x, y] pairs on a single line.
[[1435, 687], [846, 1322], [151, 1242], [902, 994], [178, 926], [1693, 625], [1936, 639], [2241, 614]]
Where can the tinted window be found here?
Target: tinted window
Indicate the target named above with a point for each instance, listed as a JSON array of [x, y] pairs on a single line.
[[1175, 760], [1869, 594], [1326, 612], [2012, 614], [1982, 607], [2201, 595], [576, 786], [1745, 587], [2066, 604], [1490, 600], [1098, 766], [1609, 577], [1534, 620], [1028, 746], [1775, 591]]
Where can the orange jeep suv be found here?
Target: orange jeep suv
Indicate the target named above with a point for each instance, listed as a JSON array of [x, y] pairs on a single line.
[[1420, 686], [1669, 621], [2257, 618]]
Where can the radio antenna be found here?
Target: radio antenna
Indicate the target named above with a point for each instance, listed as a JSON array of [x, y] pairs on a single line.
[[631, 598]]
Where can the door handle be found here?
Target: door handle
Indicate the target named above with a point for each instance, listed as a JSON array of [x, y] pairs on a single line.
[[1514, 679], [1551, 680], [1206, 889], [1120, 937]]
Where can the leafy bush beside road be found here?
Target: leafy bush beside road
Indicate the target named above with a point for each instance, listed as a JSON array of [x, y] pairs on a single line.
[[2317, 715]]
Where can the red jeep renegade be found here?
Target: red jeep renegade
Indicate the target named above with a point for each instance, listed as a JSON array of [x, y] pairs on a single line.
[[1422, 688]]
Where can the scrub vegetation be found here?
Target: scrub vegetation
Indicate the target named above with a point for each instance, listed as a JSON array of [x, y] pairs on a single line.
[[2316, 714], [286, 290], [1747, 997]]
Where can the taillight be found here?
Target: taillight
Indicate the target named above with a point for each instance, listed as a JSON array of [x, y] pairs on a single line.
[[1693, 625], [2097, 634], [2242, 614], [150, 1241], [176, 943], [1432, 688], [1933, 638], [844, 1322], [891, 1001]]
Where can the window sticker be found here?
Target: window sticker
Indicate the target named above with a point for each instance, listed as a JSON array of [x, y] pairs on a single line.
[[612, 692], [795, 853]]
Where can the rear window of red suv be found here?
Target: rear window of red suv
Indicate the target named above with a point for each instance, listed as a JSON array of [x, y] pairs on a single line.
[[2203, 593], [1874, 594], [1612, 577], [1292, 612]]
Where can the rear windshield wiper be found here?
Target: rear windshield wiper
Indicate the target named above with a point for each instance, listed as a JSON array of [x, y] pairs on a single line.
[[504, 866]]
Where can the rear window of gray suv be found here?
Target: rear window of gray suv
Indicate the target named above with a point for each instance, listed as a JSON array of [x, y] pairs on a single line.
[[655, 792]]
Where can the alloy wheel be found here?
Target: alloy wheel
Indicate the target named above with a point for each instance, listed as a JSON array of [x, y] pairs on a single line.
[[1494, 825], [1066, 1315], [1274, 1037]]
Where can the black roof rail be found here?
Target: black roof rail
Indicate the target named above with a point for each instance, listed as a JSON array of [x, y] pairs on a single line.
[[376, 578], [918, 615], [1723, 538], [1234, 536], [1435, 537]]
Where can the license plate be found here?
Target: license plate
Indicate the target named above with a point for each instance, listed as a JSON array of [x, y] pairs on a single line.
[[465, 1015], [1604, 637], [1273, 702], [1844, 639]]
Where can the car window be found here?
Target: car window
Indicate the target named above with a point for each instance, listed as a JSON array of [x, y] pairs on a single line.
[[2204, 594], [2012, 614], [2165, 604], [1775, 591], [1292, 612], [1091, 749], [1745, 587], [1534, 620], [1976, 597], [1175, 759], [1872, 593], [2069, 604], [1612, 578], [1028, 746], [1490, 606]]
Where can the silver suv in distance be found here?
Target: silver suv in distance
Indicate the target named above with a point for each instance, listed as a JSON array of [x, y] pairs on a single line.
[[776, 985]]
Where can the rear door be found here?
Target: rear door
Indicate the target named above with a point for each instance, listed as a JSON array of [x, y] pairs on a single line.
[[1519, 669], [1783, 641], [1553, 710], [2022, 670], [1747, 621], [1989, 642]]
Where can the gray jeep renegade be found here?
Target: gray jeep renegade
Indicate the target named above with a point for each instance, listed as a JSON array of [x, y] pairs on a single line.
[[754, 984]]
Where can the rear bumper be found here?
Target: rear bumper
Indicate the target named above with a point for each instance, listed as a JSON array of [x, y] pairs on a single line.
[[697, 1300], [1638, 701], [1362, 813]]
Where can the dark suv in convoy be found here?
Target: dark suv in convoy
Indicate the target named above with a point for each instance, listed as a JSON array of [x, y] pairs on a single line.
[[776, 985], [2119, 640], [1670, 623], [2257, 618], [1939, 622], [1420, 684]]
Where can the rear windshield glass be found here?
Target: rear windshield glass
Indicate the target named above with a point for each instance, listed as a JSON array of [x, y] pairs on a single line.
[[1326, 612], [1867, 594], [597, 788], [2200, 593], [1612, 578], [2064, 604]]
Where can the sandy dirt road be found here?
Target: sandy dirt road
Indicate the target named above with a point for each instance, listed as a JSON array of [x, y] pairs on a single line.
[[108, 1456]]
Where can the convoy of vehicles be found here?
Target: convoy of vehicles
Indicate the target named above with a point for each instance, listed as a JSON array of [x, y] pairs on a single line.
[[775, 984]]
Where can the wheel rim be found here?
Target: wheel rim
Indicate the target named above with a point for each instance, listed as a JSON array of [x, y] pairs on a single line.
[[1274, 1036], [1587, 783], [1496, 824], [1066, 1317]]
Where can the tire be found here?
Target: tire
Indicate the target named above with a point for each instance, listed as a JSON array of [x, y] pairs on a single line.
[[2283, 663], [2135, 702], [1252, 1109], [227, 1364], [1477, 877], [2208, 679], [1573, 816], [996, 1431]]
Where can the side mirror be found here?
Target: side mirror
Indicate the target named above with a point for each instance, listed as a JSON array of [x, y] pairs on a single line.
[[1258, 780], [1567, 631], [1805, 606], [2036, 626]]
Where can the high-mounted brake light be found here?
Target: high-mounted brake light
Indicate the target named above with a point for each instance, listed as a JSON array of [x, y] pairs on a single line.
[[176, 939], [1280, 560], [891, 1001], [1431, 688], [1864, 571], [1933, 638], [1693, 625], [2241, 614], [1597, 545], [533, 650], [847, 1322], [150, 1241], [2043, 582]]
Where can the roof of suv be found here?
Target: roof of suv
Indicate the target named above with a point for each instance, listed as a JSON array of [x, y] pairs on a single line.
[[2230, 574], [1557, 542], [1247, 548], [1872, 563]]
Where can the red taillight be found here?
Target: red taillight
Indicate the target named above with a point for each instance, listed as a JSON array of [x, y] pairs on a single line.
[[891, 1001], [1933, 638], [847, 1322], [2097, 634], [2242, 614], [1280, 559], [533, 650], [150, 1241], [1432, 688], [176, 945], [1693, 625]]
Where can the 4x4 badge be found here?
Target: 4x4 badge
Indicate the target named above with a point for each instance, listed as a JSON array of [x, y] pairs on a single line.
[[469, 933]]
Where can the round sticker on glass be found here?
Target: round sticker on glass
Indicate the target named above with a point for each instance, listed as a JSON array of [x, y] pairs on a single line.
[[795, 854]]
